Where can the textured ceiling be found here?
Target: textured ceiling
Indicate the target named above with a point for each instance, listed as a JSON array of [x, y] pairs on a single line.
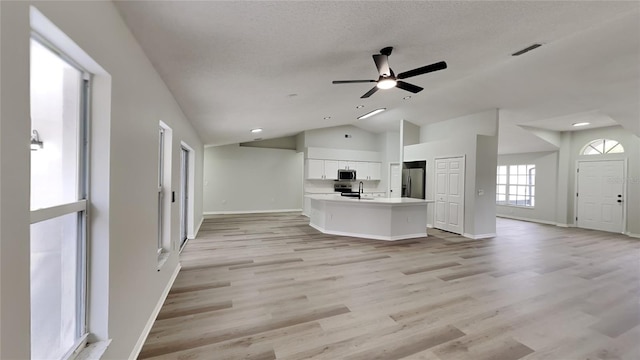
[[234, 66]]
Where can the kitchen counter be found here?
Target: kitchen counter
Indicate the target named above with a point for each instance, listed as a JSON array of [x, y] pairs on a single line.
[[369, 217]]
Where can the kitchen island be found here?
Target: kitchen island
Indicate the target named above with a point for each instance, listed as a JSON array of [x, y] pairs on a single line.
[[369, 217]]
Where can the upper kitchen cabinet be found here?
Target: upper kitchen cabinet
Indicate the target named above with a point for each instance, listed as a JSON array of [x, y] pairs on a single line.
[[348, 165], [322, 169], [368, 171]]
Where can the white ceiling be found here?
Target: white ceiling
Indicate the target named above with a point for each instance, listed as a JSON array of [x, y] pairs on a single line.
[[234, 66]]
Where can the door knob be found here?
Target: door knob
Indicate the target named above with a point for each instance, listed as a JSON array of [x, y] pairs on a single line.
[[619, 200], [619, 195]]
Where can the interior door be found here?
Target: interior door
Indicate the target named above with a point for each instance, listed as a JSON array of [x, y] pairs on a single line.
[[449, 194], [184, 196], [600, 195], [395, 180]]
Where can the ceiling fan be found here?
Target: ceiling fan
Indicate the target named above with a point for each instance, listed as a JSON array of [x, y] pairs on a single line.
[[388, 79]]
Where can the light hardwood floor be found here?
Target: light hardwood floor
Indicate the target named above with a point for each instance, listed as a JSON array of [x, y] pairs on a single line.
[[271, 287]]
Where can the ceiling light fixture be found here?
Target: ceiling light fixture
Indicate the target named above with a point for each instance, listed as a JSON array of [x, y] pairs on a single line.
[[371, 113], [327, 117], [386, 83], [359, 106], [406, 97], [256, 130], [580, 124]]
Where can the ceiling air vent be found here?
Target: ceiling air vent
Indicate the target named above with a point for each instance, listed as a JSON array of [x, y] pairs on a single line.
[[525, 50]]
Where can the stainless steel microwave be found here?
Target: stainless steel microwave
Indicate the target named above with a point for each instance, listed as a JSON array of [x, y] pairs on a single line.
[[346, 174]]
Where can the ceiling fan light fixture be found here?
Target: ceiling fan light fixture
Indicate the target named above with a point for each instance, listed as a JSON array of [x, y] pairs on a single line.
[[371, 113], [255, 131], [387, 83]]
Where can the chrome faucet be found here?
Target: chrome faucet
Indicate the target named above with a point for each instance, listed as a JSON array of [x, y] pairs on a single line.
[[360, 189]]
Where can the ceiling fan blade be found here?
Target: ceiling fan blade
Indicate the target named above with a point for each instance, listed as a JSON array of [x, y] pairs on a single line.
[[382, 63], [351, 81], [369, 93], [409, 87], [423, 70]]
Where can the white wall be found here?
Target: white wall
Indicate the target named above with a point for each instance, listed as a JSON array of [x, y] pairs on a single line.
[[247, 179], [475, 137], [546, 179], [389, 147], [409, 135], [334, 138], [124, 136]]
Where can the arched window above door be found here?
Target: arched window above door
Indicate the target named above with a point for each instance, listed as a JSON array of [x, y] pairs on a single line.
[[602, 146]]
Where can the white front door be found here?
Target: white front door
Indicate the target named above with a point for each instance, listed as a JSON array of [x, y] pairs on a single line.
[[600, 195], [395, 181], [450, 194]]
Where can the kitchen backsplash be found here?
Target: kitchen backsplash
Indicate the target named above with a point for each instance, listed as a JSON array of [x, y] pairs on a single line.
[[324, 186]]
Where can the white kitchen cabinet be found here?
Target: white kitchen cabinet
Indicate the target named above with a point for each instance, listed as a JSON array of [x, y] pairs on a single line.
[[374, 170], [368, 171], [315, 169], [322, 169], [331, 169], [348, 165]]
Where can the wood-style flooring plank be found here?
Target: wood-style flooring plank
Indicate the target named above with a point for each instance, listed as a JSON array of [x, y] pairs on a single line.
[[268, 286]]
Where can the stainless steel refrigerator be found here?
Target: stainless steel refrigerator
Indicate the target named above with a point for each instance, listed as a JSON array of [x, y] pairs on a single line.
[[413, 183]]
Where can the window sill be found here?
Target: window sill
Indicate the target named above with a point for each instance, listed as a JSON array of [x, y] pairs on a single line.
[[93, 351], [517, 206], [162, 259]]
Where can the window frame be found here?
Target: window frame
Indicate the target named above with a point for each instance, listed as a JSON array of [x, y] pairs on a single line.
[[81, 206], [529, 186], [597, 152]]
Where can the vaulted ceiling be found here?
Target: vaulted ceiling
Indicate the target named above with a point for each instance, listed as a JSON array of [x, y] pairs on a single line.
[[235, 66]]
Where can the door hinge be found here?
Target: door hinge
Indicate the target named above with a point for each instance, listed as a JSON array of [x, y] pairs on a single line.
[[576, 218], [577, 170], [576, 194]]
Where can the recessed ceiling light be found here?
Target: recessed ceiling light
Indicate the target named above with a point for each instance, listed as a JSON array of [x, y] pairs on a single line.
[[256, 130], [406, 97], [580, 124], [359, 106], [371, 113], [327, 117]]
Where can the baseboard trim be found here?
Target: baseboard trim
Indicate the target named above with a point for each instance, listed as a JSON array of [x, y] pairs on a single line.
[[368, 236], [154, 315], [430, 226], [479, 236], [565, 225], [206, 213], [637, 236], [527, 219], [195, 234]]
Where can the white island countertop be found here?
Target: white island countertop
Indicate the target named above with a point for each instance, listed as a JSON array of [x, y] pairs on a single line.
[[368, 199], [369, 217]]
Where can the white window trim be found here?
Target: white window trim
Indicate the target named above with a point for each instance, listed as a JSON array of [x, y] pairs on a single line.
[[507, 184], [96, 322]]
